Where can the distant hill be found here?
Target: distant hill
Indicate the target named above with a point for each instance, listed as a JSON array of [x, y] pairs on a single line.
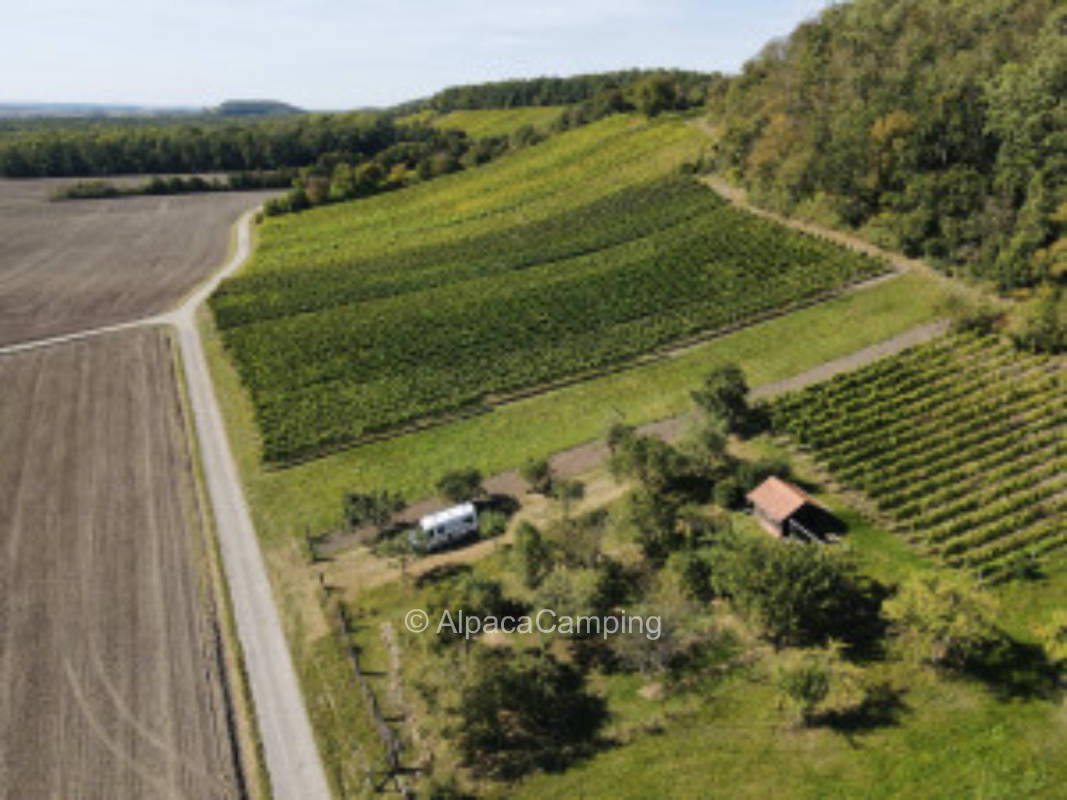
[[90, 110], [255, 108]]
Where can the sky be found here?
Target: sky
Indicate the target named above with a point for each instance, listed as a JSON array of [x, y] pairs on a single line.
[[334, 54]]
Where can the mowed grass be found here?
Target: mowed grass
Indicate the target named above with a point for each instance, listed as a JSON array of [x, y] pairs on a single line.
[[286, 501], [954, 738]]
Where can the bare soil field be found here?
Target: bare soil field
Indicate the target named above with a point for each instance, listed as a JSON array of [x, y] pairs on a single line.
[[77, 264], [110, 677]]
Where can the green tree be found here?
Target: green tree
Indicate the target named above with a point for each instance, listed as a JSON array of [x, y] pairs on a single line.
[[944, 619], [654, 517], [532, 553], [723, 397], [524, 712], [798, 594], [371, 508], [460, 485], [537, 473], [655, 94]]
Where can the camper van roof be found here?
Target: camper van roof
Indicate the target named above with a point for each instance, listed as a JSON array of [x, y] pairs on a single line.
[[449, 514]]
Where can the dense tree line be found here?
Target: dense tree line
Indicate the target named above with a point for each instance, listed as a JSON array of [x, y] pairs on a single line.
[[937, 127], [181, 147], [687, 88]]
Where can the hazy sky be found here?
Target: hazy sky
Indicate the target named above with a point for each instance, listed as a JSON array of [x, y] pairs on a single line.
[[344, 54]]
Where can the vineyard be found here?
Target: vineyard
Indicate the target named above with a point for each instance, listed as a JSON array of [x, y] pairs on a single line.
[[496, 121], [348, 325], [961, 443]]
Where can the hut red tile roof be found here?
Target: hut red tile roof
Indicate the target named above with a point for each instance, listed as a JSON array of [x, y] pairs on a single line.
[[777, 499]]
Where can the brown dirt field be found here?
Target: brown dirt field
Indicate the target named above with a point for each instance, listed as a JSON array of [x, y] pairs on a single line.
[[77, 264], [110, 683]]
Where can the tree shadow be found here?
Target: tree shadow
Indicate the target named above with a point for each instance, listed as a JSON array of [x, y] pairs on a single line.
[[861, 624], [882, 706], [442, 573], [503, 503], [1016, 670]]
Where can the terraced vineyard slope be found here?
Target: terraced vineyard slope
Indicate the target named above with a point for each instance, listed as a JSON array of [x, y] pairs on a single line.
[[484, 122], [558, 262], [962, 443]]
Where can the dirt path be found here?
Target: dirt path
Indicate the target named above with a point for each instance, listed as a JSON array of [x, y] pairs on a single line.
[[900, 263], [296, 771], [585, 457]]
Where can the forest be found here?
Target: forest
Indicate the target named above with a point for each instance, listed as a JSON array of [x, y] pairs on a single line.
[[936, 128], [692, 87], [106, 148]]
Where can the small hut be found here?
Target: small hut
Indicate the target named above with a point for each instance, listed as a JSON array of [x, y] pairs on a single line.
[[784, 510]]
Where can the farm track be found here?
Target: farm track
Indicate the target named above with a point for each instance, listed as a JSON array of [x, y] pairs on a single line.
[[289, 748], [584, 457], [898, 262]]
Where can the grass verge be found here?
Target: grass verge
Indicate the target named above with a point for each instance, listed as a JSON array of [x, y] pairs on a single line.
[[248, 744], [286, 501]]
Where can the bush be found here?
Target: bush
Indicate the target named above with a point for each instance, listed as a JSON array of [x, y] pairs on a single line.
[[532, 553], [981, 318], [724, 397], [524, 712], [649, 459], [492, 524], [694, 575], [460, 485], [797, 594], [576, 540], [806, 685], [655, 518], [538, 475], [372, 508], [750, 474], [945, 620], [729, 494], [1041, 326]]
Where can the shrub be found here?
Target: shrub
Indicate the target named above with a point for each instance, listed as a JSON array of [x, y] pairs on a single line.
[[460, 485], [798, 594], [943, 619], [532, 553], [807, 685], [538, 475], [524, 712], [492, 524], [373, 508], [729, 494], [724, 397]]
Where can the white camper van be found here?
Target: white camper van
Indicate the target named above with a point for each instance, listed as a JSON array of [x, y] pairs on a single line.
[[445, 527]]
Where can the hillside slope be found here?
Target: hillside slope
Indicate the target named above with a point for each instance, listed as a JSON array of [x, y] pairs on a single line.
[[938, 127], [557, 262]]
